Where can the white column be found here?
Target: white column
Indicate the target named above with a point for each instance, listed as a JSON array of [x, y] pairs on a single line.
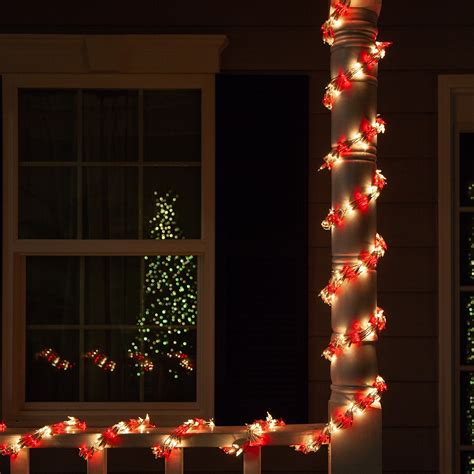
[[358, 449]]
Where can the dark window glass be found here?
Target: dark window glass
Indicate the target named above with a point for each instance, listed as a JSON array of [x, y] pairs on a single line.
[[112, 290], [110, 197], [52, 290], [172, 125], [47, 203], [110, 125], [467, 463], [47, 125], [52, 371], [467, 408], [467, 329], [112, 328], [466, 165], [466, 251]]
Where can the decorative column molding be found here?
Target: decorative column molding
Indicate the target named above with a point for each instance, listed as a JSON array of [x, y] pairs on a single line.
[[357, 450]]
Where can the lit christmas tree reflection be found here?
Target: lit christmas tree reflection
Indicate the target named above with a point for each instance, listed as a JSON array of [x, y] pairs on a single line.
[[170, 303]]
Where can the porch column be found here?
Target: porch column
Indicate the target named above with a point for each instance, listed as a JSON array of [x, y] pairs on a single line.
[[359, 448]]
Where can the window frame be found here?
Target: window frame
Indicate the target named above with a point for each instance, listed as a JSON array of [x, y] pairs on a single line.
[[453, 119], [14, 408]]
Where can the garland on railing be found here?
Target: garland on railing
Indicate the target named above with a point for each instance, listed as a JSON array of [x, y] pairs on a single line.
[[340, 342], [360, 202], [110, 436], [344, 419], [255, 435], [365, 136], [174, 439], [33, 439], [367, 60]]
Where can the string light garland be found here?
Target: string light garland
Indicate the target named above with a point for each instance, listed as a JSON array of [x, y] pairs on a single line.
[[338, 10], [255, 435], [345, 419], [101, 360], [360, 201], [367, 60], [54, 359], [33, 440], [367, 261], [365, 136], [110, 436], [173, 441], [341, 342], [142, 363], [184, 360]]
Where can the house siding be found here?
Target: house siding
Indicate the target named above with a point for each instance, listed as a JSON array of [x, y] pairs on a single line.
[[283, 37]]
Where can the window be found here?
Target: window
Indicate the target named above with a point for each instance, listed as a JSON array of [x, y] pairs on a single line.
[[108, 246], [456, 280]]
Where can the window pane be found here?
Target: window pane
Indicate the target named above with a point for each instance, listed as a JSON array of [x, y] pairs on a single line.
[[110, 197], [112, 290], [52, 295], [49, 377], [466, 165], [466, 253], [467, 463], [467, 329], [172, 203], [467, 408], [47, 203], [47, 125], [110, 382], [126, 326], [172, 123], [110, 125]]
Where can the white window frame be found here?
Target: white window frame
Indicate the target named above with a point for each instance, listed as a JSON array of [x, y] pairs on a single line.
[[455, 115], [138, 62]]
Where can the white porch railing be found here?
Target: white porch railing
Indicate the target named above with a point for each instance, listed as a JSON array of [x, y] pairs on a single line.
[[220, 436]]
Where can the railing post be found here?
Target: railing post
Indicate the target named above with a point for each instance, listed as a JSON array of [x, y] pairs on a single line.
[[253, 460], [174, 464], [21, 464], [97, 464], [358, 449]]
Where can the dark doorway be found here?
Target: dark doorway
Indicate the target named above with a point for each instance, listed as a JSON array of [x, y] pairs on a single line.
[[262, 245]]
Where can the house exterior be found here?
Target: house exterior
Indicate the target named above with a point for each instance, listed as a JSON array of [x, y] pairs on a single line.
[[261, 117]]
